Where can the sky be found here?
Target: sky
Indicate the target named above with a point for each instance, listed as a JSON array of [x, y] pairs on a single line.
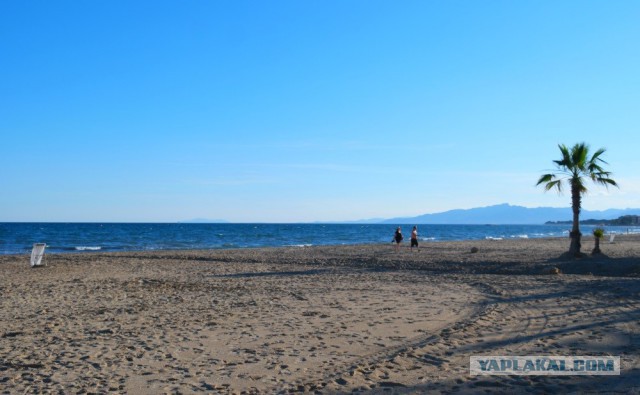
[[302, 111]]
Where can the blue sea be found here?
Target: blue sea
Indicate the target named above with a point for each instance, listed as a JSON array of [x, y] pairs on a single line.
[[18, 238]]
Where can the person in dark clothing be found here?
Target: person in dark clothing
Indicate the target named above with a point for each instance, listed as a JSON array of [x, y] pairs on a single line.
[[397, 238]]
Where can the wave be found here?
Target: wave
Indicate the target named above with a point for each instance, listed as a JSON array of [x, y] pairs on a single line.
[[87, 248]]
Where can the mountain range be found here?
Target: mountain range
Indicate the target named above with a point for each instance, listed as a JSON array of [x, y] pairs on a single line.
[[506, 214], [500, 214]]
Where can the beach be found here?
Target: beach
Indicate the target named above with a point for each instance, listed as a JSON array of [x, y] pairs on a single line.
[[330, 319]]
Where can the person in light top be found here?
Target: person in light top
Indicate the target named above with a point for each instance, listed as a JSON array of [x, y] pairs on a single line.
[[414, 238]]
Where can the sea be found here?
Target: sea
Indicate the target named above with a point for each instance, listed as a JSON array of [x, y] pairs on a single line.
[[18, 238]]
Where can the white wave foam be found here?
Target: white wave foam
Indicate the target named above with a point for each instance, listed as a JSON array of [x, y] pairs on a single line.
[[493, 238], [83, 248]]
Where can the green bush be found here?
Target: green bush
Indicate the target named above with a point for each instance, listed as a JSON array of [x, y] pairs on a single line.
[[598, 233]]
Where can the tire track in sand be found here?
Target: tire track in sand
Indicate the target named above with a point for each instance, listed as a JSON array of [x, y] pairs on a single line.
[[383, 368]]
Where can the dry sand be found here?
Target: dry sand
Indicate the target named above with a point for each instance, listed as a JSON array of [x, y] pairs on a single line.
[[329, 320]]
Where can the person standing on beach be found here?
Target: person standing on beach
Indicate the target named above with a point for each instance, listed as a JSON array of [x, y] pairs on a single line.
[[398, 238], [414, 238]]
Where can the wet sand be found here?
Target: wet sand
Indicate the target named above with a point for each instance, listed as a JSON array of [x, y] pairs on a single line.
[[329, 320]]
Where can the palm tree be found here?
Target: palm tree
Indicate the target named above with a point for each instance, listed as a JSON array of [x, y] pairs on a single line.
[[573, 168]]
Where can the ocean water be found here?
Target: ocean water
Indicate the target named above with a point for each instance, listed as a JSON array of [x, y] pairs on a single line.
[[18, 238]]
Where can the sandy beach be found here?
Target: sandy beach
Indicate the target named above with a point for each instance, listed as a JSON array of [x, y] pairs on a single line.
[[343, 319]]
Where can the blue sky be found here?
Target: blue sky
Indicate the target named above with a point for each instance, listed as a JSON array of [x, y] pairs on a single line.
[[288, 111]]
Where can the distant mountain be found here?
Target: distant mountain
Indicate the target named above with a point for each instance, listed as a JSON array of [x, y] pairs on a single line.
[[506, 214], [204, 221]]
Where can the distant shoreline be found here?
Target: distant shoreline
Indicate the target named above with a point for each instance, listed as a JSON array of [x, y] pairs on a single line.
[[625, 220]]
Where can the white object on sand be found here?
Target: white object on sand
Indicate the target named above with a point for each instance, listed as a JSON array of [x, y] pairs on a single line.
[[613, 236], [37, 254]]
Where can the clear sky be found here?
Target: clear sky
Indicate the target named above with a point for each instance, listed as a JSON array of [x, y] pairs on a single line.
[[296, 111]]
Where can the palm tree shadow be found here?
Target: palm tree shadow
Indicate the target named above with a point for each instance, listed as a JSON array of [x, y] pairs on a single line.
[[598, 265]]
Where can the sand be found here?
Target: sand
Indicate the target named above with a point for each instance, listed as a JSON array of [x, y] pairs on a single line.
[[345, 319]]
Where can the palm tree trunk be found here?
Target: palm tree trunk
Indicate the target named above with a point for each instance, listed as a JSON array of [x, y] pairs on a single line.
[[574, 248], [596, 249]]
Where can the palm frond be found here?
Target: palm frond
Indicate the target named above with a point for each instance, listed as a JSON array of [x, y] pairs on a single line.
[[596, 156], [579, 153], [606, 182], [595, 168], [565, 162], [545, 178], [554, 184]]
